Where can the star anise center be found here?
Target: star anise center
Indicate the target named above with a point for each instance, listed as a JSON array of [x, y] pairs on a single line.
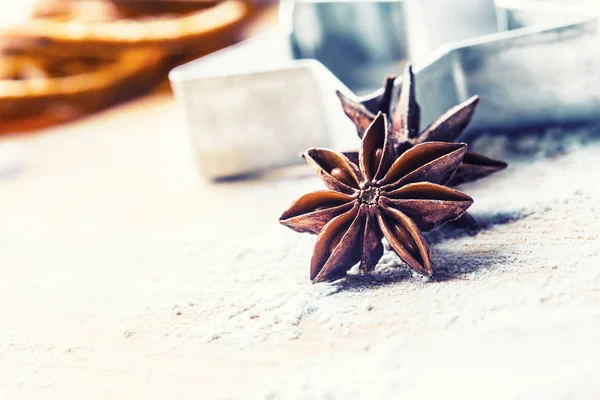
[[369, 195]]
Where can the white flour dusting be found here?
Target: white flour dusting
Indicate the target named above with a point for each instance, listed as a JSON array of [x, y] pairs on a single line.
[[530, 216], [173, 288]]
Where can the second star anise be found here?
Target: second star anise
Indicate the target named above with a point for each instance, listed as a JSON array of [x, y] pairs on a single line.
[[383, 196], [405, 120]]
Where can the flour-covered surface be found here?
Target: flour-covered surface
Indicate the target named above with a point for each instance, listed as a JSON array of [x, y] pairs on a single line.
[[124, 275]]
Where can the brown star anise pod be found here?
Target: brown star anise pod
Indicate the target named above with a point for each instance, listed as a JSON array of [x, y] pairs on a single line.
[[405, 120], [385, 195]]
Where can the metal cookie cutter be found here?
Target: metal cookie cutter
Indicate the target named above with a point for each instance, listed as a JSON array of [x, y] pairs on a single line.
[[252, 106], [258, 104], [543, 70]]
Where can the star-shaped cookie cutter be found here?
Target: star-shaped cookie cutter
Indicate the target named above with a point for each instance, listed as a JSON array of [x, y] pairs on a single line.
[[257, 104]]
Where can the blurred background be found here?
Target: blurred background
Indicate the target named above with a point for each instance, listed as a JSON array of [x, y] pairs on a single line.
[[63, 59], [233, 64]]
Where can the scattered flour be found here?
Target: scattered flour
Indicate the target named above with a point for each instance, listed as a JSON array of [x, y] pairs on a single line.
[[531, 218], [187, 299]]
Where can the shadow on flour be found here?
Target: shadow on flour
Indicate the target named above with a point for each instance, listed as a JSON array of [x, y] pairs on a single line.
[[292, 173], [451, 265], [448, 265], [485, 221], [379, 277], [535, 144]]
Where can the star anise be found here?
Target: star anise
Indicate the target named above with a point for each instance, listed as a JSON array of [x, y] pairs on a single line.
[[405, 121], [383, 196]]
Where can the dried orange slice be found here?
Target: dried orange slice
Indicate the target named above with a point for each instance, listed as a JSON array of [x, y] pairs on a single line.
[[75, 57], [40, 90], [175, 26]]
